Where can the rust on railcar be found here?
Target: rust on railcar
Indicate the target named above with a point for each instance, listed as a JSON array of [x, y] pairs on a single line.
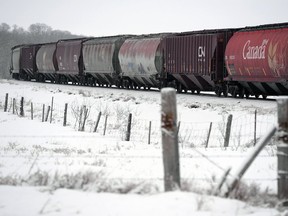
[[141, 60]]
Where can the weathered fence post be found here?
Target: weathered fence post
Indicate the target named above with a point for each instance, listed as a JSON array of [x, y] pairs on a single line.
[[282, 148], [80, 118], [221, 182], [208, 135], [6, 103], [255, 127], [31, 111], [85, 116], [13, 105], [105, 125], [228, 131], [65, 114], [170, 139], [128, 132], [149, 133], [47, 115], [22, 107], [51, 113], [97, 122], [43, 113]]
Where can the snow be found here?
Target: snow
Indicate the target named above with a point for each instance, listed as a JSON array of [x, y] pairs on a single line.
[[58, 170], [36, 201]]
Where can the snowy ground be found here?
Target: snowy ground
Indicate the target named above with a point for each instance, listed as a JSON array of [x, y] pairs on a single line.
[[41, 163]]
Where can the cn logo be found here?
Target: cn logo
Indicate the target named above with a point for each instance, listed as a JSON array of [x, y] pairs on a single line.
[[201, 51], [75, 58]]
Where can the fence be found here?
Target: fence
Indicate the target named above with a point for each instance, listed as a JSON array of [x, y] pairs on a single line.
[[243, 131], [194, 137]]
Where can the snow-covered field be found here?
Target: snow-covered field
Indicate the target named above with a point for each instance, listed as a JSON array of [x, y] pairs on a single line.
[[49, 169]]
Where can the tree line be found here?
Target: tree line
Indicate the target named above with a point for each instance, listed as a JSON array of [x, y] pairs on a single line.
[[14, 35]]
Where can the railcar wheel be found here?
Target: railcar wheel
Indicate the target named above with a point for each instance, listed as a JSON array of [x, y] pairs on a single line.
[[234, 92], [40, 78], [225, 92], [179, 88], [57, 79], [218, 92], [26, 77], [242, 93]]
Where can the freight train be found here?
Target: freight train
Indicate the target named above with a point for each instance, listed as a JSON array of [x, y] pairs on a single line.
[[241, 62]]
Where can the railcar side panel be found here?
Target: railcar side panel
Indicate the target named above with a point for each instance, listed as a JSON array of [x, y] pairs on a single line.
[[258, 55], [141, 60], [196, 59], [28, 61], [15, 60], [46, 59], [100, 57], [258, 60], [97, 57], [68, 55]]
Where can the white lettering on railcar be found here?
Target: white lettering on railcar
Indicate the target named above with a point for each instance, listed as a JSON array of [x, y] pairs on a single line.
[[75, 58], [201, 51], [254, 52]]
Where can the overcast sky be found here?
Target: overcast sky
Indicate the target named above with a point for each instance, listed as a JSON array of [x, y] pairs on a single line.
[[112, 17]]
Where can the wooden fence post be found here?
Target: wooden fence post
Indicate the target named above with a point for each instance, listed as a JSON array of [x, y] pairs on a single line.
[[228, 131], [255, 127], [51, 113], [43, 113], [128, 132], [65, 114], [282, 148], [6, 103], [169, 132], [97, 122], [31, 111], [208, 135], [217, 189], [80, 118], [47, 115], [105, 125], [13, 105], [22, 107], [149, 132], [85, 116]]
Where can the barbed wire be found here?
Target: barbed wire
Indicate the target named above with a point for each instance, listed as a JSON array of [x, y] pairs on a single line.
[[71, 155]]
